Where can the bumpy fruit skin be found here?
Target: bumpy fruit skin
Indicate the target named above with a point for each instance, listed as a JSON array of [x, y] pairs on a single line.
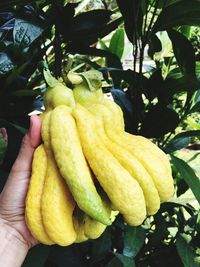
[[73, 166], [134, 167], [57, 93], [87, 98], [57, 203], [160, 174], [122, 189], [33, 199], [147, 145], [94, 229]]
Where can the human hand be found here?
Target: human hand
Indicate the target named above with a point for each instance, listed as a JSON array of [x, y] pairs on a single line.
[[12, 198]]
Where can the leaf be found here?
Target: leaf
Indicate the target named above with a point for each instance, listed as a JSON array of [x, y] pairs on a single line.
[[188, 175], [101, 246], [103, 46], [126, 261], [180, 13], [180, 141], [24, 32], [90, 20], [182, 187], [185, 252], [183, 84], [177, 144], [133, 17], [195, 108], [115, 262], [159, 121], [122, 99], [6, 64], [15, 73], [184, 52], [117, 43], [133, 240], [4, 123], [155, 45], [112, 59], [37, 256]]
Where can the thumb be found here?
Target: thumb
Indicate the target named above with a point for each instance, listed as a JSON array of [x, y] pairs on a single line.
[[29, 143], [15, 189]]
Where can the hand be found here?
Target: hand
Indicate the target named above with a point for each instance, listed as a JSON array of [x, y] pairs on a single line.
[[12, 198]]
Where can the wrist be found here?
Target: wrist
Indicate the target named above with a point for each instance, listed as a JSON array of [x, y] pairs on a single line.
[[13, 248]]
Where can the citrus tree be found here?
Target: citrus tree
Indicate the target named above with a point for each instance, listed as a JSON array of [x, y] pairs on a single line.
[[159, 94]]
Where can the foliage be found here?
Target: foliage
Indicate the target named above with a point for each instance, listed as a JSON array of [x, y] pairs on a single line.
[[159, 95]]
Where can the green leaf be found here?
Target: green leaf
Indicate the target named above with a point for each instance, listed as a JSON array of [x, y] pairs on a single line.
[[185, 252], [4, 123], [101, 246], [177, 144], [37, 256], [15, 73], [117, 43], [126, 261], [24, 32], [155, 45], [103, 45], [6, 64], [180, 13], [133, 17], [133, 240], [188, 175], [180, 141], [195, 108], [183, 84], [115, 262], [184, 52]]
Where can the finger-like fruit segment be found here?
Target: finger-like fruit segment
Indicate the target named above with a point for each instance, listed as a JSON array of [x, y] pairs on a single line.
[[87, 98], [121, 188], [73, 166], [57, 203], [163, 180], [135, 168], [57, 206], [33, 200], [118, 126]]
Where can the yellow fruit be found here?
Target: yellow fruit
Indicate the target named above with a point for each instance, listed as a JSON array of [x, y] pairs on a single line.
[[73, 166], [121, 188], [57, 93], [57, 204], [134, 167], [94, 229], [147, 145], [160, 174], [87, 98], [33, 200]]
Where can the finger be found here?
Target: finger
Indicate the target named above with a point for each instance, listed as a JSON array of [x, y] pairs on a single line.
[[31, 140], [16, 186]]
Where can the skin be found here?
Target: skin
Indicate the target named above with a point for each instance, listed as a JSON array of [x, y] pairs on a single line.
[[15, 238]]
